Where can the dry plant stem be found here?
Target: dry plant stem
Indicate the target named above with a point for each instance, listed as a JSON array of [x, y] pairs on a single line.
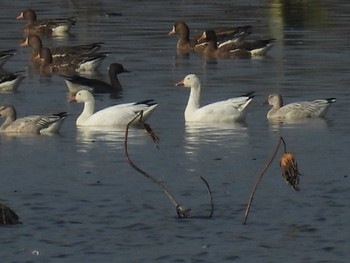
[[260, 177], [210, 197], [181, 211], [166, 191], [284, 144]]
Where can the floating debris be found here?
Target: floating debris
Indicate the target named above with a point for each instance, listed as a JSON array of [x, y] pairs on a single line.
[[8, 216]]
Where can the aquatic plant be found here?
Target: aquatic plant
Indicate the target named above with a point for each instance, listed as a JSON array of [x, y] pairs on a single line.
[[289, 169], [181, 211]]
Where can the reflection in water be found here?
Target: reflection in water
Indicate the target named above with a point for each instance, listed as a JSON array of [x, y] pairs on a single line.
[[230, 135], [114, 137], [300, 14], [317, 123]]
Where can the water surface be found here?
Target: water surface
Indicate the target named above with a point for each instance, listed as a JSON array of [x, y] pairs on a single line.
[[79, 199]]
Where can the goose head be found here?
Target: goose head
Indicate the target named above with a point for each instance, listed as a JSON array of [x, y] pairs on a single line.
[[275, 100], [180, 28], [8, 111], [45, 56], [82, 96], [190, 81], [209, 36], [28, 14]]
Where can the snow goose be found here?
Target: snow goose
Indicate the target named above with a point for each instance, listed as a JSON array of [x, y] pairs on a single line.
[[113, 116], [185, 44], [76, 82], [58, 52], [297, 110], [232, 49], [53, 26], [34, 124], [9, 82], [234, 109]]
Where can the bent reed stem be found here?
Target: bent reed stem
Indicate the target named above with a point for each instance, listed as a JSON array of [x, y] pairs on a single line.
[[260, 177]]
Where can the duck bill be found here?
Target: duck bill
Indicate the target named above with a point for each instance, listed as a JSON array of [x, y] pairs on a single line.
[[172, 32], [180, 83], [20, 17]]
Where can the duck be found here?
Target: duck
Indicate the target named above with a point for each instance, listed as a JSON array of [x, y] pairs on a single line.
[[114, 116], [297, 110], [69, 65], [76, 82], [185, 44], [9, 82], [230, 49], [53, 26], [231, 110], [5, 55], [35, 43], [34, 124]]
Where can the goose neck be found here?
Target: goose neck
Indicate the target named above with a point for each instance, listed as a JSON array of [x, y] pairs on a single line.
[[89, 107], [193, 101]]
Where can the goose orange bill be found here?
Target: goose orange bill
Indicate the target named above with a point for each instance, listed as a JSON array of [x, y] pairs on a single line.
[[72, 99], [180, 83]]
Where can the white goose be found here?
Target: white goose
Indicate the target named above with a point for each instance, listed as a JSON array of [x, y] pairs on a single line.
[[234, 109], [297, 110], [114, 116], [34, 124]]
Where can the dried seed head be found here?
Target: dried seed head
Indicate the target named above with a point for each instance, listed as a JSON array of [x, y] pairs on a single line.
[[289, 168]]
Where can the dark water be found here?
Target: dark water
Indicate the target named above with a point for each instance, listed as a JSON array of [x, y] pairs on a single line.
[[79, 199]]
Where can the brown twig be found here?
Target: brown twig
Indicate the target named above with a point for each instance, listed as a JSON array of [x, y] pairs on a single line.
[[260, 177], [180, 210], [210, 197]]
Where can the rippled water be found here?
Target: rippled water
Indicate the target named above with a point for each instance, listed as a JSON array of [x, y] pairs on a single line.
[[79, 199]]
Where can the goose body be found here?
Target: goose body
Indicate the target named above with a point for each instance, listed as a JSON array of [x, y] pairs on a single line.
[[71, 64], [76, 82], [58, 52], [9, 82], [297, 110], [53, 26], [113, 116], [231, 110], [34, 124], [232, 49], [185, 44]]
